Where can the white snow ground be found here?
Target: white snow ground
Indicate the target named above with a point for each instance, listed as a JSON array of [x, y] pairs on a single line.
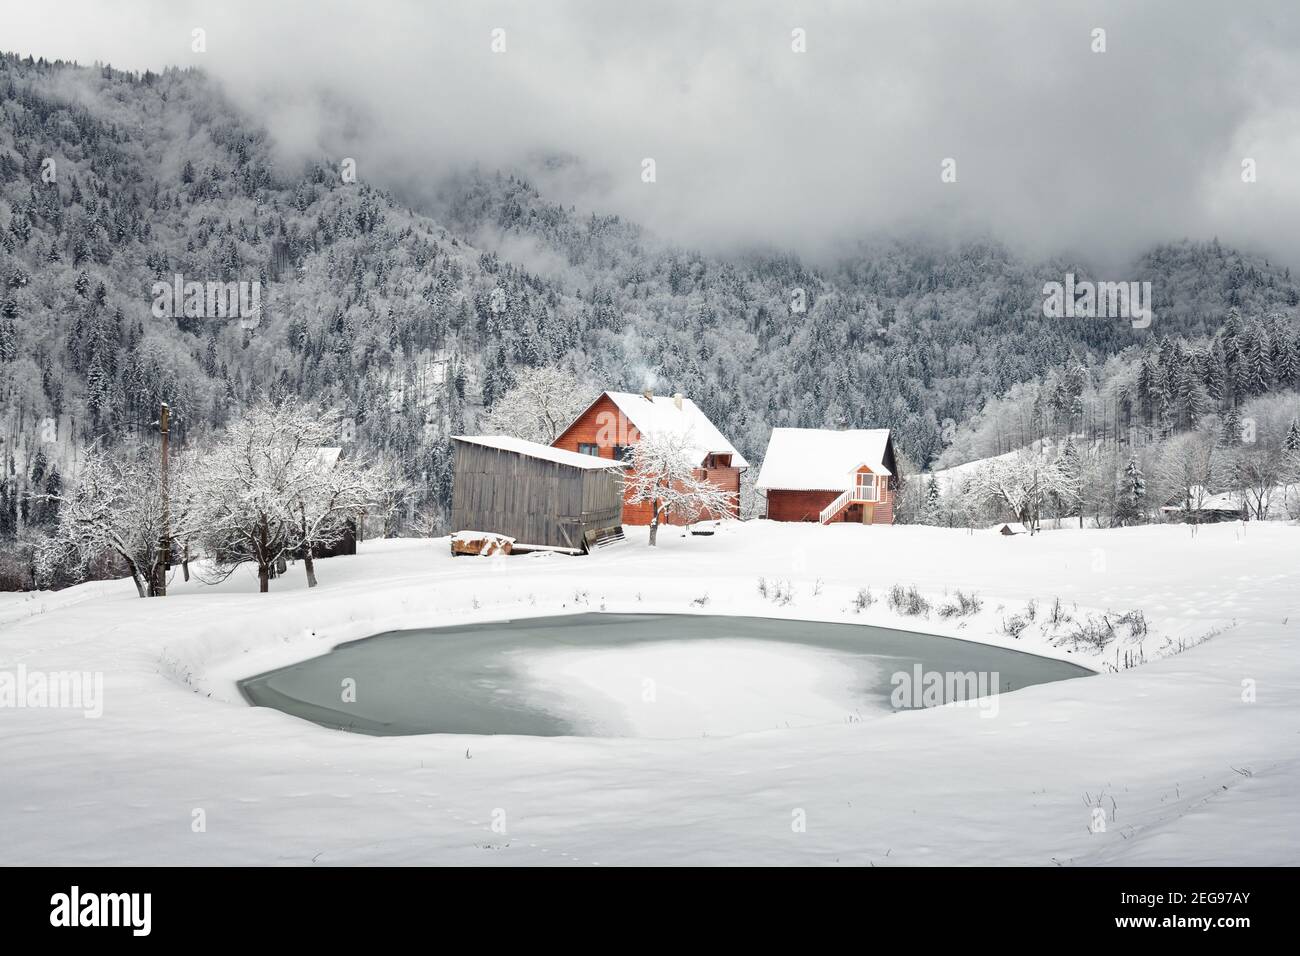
[[1187, 772]]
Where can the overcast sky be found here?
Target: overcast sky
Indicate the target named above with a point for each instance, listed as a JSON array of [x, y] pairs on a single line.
[[1058, 149]]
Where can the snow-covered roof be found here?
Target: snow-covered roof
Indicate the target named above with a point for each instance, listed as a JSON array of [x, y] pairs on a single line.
[[1222, 501], [821, 459], [1014, 527], [659, 414], [522, 446]]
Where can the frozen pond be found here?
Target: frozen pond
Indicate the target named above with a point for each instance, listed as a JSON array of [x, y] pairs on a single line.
[[640, 675]]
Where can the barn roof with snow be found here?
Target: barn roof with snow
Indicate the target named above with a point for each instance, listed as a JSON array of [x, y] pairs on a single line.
[[676, 415], [822, 459], [1228, 502], [532, 449], [538, 496]]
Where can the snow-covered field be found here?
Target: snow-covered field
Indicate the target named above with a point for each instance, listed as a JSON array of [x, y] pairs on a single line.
[[1193, 757]]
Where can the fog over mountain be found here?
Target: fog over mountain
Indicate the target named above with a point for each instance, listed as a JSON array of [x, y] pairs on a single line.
[[1059, 150]]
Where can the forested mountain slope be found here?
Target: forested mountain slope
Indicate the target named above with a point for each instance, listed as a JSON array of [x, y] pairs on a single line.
[[413, 320]]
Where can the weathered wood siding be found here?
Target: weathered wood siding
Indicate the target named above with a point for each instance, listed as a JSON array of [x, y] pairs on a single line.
[[530, 499], [604, 426]]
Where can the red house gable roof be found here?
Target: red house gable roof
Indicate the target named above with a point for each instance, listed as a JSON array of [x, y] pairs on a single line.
[[659, 414]]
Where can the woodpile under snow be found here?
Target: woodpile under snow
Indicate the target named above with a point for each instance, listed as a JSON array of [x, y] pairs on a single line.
[[481, 542]]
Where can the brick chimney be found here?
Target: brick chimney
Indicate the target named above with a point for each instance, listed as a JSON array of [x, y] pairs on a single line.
[[648, 394], [677, 400]]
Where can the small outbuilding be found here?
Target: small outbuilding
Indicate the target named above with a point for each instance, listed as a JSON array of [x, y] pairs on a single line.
[[543, 498], [1199, 506], [828, 475]]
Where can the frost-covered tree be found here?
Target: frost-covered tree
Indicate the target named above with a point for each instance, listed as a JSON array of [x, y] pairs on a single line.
[[268, 490], [753, 502], [931, 508], [663, 475], [1230, 434], [1292, 441], [1024, 484], [1256, 474], [116, 504], [329, 501], [1132, 493], [542, 403], [1190, 469], [1070, 467]]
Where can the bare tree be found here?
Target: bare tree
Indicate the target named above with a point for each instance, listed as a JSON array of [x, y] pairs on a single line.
[[329, 501], [116, 504], [542, 403], [265, 490], [663, 474], [1024, 484], [1257, 473], [1190, 469]]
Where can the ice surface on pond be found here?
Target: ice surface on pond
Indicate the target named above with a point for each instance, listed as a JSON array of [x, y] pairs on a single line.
[[627, 675], [688, 688]]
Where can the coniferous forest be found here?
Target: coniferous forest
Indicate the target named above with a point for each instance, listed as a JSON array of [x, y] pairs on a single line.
[[412, 320]]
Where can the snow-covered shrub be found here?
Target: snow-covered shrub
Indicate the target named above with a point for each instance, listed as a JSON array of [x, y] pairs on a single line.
[[863, 599], [908, 601], [1095, 633], [1136, 621], [1014, 625], [962, 605], [1057, 616], [778, 592]]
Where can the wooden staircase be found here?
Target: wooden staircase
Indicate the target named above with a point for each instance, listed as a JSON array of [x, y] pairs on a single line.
[[835, 507]]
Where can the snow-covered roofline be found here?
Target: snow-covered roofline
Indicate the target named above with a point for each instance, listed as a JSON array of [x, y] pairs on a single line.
[[521, 446], [821, 459], [659, 414]]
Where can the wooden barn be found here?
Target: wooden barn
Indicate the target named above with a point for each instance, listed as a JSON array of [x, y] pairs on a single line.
[[615, 422], [818, 474], [542, 497]]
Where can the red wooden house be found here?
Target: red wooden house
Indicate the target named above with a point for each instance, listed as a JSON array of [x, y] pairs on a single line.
[[615, 421], [816, 474]]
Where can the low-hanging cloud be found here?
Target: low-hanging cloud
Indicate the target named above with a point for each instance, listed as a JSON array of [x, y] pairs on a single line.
[[1058, 149]]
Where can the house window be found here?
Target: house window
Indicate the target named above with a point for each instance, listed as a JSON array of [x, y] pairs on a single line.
[[623, 452], [586, 449], [867, 490]]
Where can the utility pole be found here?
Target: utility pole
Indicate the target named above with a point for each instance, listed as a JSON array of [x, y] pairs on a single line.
[[165, 537]]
